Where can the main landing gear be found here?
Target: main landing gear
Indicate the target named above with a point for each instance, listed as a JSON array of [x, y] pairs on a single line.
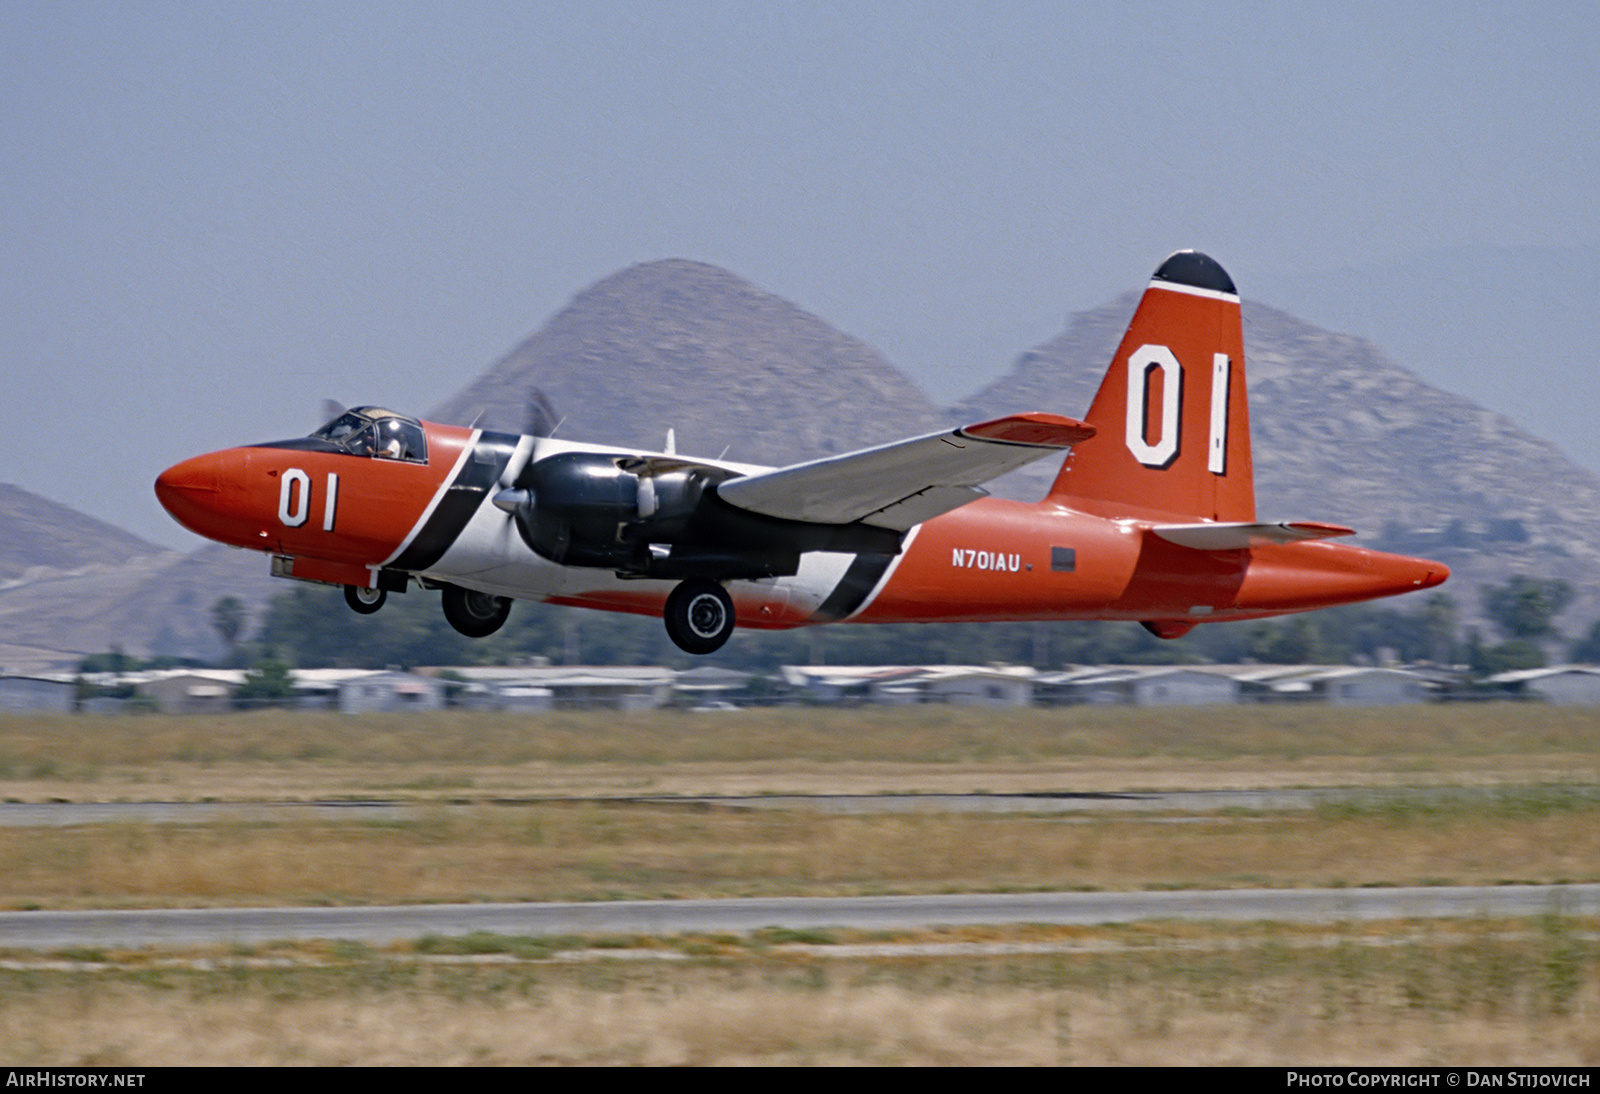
[[474, 614], [699, 613], [699, 616]]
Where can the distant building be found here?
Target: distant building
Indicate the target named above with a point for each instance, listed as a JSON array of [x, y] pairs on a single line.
[[1564, 685], [569, 687], [53, 693], [907, 685], [1348, 685], [514, 697], [1142, 685], [191, 691], [710, 685], [536, 689], [1196, 685], [390, 692], [970, 686], [832, 685], [321, 689]]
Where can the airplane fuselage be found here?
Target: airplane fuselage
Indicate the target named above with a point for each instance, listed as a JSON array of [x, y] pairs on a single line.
[[345, 519], [1151, 516]]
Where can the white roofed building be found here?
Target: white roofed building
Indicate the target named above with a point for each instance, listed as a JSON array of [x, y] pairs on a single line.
[[1564, 685]]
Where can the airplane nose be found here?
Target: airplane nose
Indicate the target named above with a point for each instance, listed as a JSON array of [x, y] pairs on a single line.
[[183, 485], [206, 495]]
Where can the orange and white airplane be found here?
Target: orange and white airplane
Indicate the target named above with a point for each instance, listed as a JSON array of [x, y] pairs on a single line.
[[1151, 518]]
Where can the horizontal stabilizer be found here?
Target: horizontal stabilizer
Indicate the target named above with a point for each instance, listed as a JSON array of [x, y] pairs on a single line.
[[1211, 536], [907, 482]]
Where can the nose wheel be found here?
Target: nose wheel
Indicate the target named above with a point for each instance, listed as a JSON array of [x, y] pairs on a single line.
[[699, 616], [365, 601], [474, 614]]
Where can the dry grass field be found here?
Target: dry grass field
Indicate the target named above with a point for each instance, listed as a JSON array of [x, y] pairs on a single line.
[[1488, 994], [512, 809], [243, 757], [598, 851]]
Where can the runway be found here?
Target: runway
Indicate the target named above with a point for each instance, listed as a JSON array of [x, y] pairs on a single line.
[[1165, 802], [47, 930]]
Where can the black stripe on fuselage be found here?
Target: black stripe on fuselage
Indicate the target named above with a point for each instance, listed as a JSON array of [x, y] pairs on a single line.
[[862, 576], [478, 475]]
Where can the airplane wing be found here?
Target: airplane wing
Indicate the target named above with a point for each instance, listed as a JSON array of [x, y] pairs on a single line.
[[1212, 536], [907, 482]]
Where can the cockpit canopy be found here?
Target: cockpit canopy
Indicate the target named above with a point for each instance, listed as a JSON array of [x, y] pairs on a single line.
[[373, 431]]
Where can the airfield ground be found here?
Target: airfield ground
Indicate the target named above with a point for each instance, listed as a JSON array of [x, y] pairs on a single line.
[[513, 809]]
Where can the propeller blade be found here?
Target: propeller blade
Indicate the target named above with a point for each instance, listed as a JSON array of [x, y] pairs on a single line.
[[542, 417]]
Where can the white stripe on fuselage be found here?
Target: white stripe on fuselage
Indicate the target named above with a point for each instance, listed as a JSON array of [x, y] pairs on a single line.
[[490, 556], [438, 496], [894, 564]]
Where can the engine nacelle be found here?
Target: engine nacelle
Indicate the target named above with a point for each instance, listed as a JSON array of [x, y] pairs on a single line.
[[595, 509], [655, 516]]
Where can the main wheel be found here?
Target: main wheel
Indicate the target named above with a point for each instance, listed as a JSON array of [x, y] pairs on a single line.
[[474, 614], [699, 616], [365, 601]]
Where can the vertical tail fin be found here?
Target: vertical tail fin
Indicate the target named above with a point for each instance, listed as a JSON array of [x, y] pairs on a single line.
[[1172, 416]]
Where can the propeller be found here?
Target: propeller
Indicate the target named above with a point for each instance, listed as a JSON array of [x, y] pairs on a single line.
[[543, 421]]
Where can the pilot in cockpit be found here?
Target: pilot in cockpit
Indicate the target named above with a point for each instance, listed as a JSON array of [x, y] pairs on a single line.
[[373, 432], [391, 444]]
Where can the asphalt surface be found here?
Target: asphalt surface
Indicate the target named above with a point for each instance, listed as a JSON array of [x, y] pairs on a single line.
[[45, 930], [63, 814]]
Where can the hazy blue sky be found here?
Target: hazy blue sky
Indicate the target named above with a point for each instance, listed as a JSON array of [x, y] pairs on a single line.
[[216, 214]]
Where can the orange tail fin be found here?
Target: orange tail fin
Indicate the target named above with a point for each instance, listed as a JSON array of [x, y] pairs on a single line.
[[1172, 416]]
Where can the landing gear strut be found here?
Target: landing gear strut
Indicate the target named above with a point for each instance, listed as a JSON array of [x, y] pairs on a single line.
[[474, 614], [366, 601], [699, 616]]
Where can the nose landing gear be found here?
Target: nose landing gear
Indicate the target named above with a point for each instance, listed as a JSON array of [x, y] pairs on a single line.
[[365, 601]]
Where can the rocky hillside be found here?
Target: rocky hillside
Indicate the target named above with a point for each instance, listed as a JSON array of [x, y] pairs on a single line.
[[71, 585], [147, 605], [688, 346], [41, 536]]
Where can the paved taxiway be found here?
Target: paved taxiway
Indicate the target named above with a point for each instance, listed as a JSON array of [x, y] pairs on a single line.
[[62, 814], [44, 930]]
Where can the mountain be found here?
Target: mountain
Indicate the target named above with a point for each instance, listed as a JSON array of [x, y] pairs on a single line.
[[1509, 327], [44, 536], [72, 585], [691, 347], [146, 606]]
